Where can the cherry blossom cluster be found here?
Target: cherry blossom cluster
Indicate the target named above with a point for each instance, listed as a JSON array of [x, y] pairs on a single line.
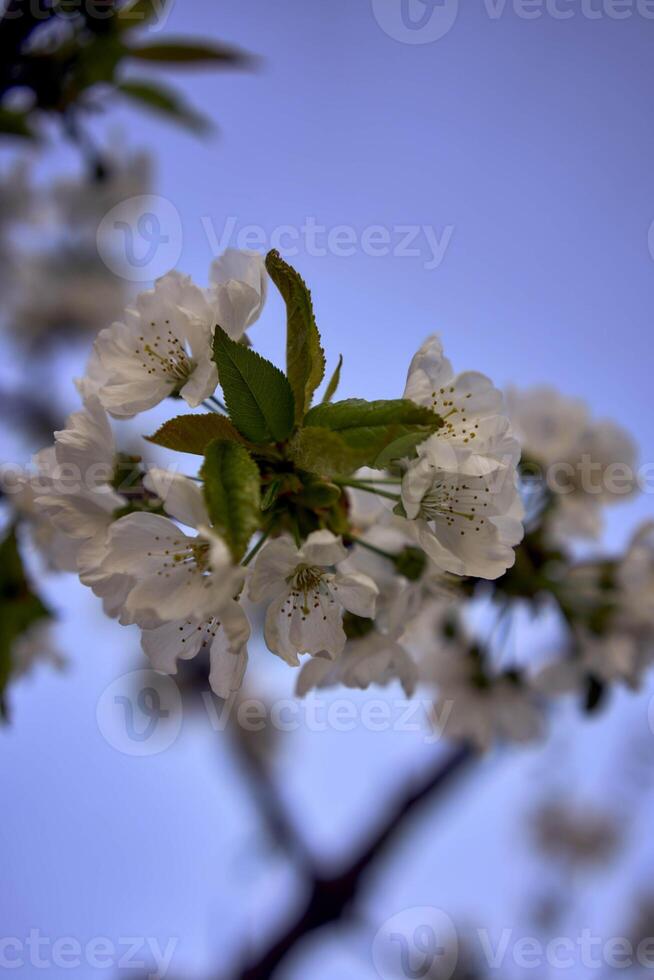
[[388, 540]]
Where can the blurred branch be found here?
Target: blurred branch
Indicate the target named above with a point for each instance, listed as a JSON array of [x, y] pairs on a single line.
[[270, 808], [330, 898]]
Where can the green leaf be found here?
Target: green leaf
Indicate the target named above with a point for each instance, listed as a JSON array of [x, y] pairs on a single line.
[[305, 358], [272, 490], [97, 62], [193, 433], [376, 432], [183, 51], [258, 396], [405, 445], [321, 451], [138, 14], [165, 101], [320, 495], [334, 382], [20, 608], [232, 491]]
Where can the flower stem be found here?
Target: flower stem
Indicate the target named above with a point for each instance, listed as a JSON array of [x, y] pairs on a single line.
[[393, 481], [357, 485], [352, 538], [297, 537], [255, 550]]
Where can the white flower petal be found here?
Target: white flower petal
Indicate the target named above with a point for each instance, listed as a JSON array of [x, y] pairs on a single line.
[[357, 593], [170, 642], [112, 587], [181, 497], [229, 655], [292, 627], [275, 562], [429, 370], [87, 444], [137, 544], [468, 524], [323, 548], [158, 349], [201, 384], [126, 399], [176, 593], [312, 674], [80, 515], [239, 292]]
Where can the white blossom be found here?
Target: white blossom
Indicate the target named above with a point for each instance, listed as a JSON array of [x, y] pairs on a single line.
[[548, 425], [87, 446], [610, 657], [239, 288], [164, 345], [307, 598], [462, 489], [57, 549], [469, 404], [576, 833], [62, 292], [73, 491], [162, 348], [468, 521], [636, 572], [585, 462], [377, 657], [173, 575], [225, 635], [73, 483], [620, 646], [479, 708]]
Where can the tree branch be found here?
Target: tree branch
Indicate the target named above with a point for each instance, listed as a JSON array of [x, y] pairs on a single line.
[[330, 897]]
